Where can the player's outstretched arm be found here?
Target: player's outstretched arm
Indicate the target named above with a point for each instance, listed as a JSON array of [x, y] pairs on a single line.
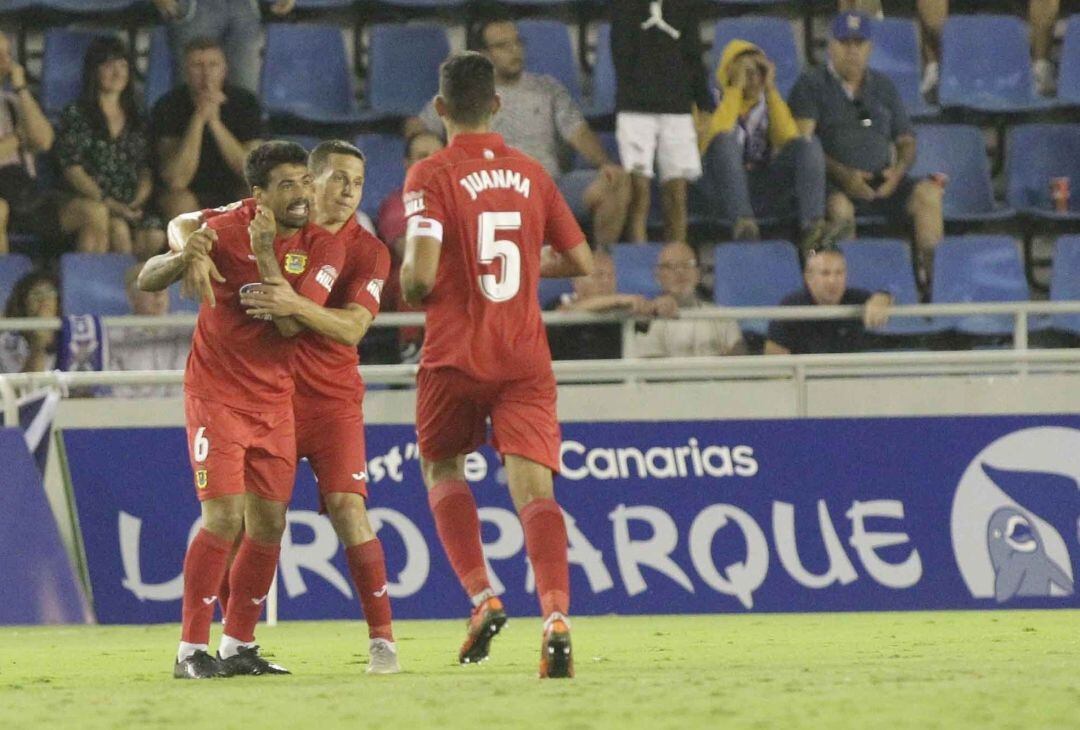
[[576, 261], [162, 270]]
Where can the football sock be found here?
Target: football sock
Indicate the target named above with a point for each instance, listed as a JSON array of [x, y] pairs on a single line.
[[545, 542], [204, 566], [458, 525], [187, 650], [249, 580], [481, 597], [230, 646], [367, 564]]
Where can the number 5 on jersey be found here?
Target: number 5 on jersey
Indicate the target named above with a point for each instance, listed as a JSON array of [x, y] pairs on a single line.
[[504, 287]]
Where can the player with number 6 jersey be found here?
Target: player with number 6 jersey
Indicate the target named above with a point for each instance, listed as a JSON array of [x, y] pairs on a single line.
[[485, 223]]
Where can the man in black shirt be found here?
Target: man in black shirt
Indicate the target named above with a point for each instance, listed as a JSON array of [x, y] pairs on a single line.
[[826, 284], [202, 132]]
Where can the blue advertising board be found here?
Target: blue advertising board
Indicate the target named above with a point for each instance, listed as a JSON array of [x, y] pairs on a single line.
[[663, 517]]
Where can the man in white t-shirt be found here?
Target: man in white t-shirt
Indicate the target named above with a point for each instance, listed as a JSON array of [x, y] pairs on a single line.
[[148, 348]]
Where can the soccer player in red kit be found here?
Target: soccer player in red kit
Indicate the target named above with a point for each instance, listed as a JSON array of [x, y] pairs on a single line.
[[480, 213], [329, 390], [238, 400]]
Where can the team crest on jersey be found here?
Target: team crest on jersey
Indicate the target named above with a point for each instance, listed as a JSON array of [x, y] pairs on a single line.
[[295, 263], [200, 479]]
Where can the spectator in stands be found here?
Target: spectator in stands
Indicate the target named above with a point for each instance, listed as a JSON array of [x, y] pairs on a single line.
[[35, 295], [868, 139], [825, 275], [236, 24], [756, 163], [661, 84], [104, 152], [594, 294], [29, 207], [202, 132], [678, 274], [1042, 15], [538, 116], [147, 348]]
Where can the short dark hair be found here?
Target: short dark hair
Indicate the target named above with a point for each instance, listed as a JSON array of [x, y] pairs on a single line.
[[467, 85], [264, 158], [417, 135], [318, 156], [202, 43]]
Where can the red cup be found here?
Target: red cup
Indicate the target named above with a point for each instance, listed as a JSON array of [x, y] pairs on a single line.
[[1059, 193]]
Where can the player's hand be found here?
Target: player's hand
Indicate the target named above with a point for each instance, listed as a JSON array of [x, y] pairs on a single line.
[[262, 230], [857, 185], [892, 178], [666, 306], [876, 313], [273, 298], [198, 280], [169, 9], [282, 7], [201, 242]]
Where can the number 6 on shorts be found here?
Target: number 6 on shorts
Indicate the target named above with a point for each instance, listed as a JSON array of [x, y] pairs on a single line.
[[200, 446]]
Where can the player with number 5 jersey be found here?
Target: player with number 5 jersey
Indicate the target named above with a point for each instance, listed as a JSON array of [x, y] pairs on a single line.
[[485, 223]]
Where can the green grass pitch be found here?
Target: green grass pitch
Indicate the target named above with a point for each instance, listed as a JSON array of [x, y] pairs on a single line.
[[1007, 669]]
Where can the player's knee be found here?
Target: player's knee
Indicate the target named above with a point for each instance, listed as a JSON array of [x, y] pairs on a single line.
[[348, 515], [265, 521], [224, 518]]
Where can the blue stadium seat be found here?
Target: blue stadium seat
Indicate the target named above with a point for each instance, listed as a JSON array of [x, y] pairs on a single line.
[[755, 274], [318, 4], [1065, 281], [602, 101], [979, 268], [61, 66], [986, 65], [403, 67], [433, 4], [773, 35], [1068, 88], [552, 289], [307, 141], [306, 74], [385, 170], [1035, 153], [884, 264], [159, 66], [548, 50], [88, 6], [93, 283], [178, 304], [959, 152], [896, 54], [635, 265], [12, 268]]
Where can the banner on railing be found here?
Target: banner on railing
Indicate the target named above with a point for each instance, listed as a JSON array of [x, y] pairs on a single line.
[[663, 517]]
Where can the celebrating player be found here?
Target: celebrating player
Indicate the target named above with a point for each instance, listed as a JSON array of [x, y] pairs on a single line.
[[238, 400], [480, 213], [329, 391]]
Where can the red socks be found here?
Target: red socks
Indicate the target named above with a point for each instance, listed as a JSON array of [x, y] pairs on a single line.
[[204, 567], [545, 542], [458, 525], [367, 564], [249, 580]]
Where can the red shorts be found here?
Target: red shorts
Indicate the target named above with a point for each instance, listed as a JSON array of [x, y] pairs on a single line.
[[334, 447], [452, 411], [237, 452]]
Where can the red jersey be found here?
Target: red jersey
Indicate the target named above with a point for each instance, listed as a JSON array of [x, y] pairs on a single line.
[[236, 359], [325, 371], [493, 208]]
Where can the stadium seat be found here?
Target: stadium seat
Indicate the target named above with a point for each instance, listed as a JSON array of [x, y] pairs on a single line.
[[548, 50], [1034, 154], [385, 169], [88, 6], [602, 101], [12, 268], [1065, 281], [61, 66], [552, 289], [755, 274], [307, 141], [959, 152], [979, 268], [635, 265], [318, 4], [93, 283], [773, 35], [306, 74], [1068, 88], [433, 4], [986, 65], [884, 264], [159, 66], [403, 67], [896, 54]]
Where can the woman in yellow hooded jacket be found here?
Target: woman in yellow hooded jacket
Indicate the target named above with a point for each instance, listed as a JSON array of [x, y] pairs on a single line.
[[756, 164]]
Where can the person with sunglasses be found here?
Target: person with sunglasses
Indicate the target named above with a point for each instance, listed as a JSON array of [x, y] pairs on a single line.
[[868, 139]]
